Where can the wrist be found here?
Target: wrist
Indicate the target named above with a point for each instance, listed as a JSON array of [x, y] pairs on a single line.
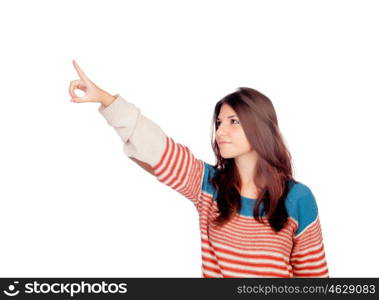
[[107, 99]]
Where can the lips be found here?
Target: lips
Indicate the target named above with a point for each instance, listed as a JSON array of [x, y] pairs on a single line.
[[222, 143]]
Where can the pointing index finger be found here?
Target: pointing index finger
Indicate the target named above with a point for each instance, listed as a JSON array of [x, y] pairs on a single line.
[[79, 70]]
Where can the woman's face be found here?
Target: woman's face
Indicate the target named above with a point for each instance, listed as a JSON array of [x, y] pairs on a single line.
[[230, 130]]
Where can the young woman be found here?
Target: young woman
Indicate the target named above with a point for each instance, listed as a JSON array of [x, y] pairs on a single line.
[[256, 220]]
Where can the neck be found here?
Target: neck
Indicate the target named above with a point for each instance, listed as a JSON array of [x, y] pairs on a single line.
[[246, 165]]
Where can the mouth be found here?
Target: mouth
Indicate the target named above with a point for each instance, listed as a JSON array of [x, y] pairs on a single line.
[[224, 143]]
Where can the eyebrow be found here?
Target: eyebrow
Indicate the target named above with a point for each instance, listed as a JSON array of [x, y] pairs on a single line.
[[228, 117]]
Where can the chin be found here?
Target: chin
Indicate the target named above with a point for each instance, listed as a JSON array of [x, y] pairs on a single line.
[[226, 156]]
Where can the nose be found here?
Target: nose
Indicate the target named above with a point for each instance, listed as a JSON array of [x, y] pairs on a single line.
[[221, 131]]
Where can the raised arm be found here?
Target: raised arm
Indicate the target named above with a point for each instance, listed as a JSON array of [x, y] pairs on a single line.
[[144, 141]]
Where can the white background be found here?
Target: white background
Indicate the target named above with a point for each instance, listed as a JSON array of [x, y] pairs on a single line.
[[73, 204]]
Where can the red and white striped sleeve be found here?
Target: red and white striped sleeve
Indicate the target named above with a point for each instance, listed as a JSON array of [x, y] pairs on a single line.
[[181, 170], [172, 163], [308, 253]]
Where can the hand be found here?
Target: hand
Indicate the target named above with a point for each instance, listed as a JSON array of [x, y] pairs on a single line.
[[92, 92]]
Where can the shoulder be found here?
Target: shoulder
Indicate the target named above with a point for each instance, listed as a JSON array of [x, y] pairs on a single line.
[[301, 205]]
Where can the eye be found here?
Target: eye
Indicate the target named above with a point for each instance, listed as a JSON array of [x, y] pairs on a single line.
[[232, 120]]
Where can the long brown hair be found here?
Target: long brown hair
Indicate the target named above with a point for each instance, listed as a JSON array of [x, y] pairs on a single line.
[[273, 170]]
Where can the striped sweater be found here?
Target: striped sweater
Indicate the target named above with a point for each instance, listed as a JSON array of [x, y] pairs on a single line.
[[243, 247]]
